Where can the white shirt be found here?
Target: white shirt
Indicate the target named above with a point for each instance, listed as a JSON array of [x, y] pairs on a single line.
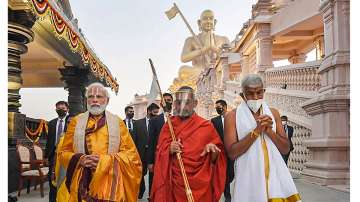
[[131, 123], [222, 119], [147, 123]]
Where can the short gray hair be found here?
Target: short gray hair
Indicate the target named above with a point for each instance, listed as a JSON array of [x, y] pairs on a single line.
[[97, 84], [251, 80]]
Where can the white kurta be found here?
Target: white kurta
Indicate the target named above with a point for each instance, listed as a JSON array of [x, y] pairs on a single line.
[[250, 181]]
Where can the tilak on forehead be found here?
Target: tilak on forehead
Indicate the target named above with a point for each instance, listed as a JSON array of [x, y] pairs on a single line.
[[96, 90]]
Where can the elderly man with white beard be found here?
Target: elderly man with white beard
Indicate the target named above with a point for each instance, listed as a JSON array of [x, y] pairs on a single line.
[[101, 160]]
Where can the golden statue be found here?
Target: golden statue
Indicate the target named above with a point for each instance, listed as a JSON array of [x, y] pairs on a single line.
[[202, 50]]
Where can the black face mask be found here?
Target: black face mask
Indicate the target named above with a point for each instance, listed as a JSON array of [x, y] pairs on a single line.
[[130, 115], [219, 111], [61, 112], [151, 115], [168, 106]]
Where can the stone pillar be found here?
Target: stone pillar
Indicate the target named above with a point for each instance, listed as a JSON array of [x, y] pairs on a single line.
[[20, 23], [330, 109], [225, 72], [263, 48], [75, 82], [319, 45], [297, 58], [244, 63], [19, 34]]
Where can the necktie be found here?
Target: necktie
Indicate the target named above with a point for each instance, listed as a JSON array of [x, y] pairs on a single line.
[[129, 125], [59, 131], [285, 128]]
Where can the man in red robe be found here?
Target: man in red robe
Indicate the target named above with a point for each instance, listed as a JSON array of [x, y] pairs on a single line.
[[201, 150]]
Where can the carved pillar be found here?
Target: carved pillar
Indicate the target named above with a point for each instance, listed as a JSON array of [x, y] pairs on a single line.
[[330, 140], [19, 34], [319, 45], [75, 82], [263, 48], [225, 76], [244, 63], [297, 58]]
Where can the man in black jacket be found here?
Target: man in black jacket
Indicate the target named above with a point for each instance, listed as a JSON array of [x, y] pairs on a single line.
[[129, 121], [141, 128], [218, 122], [155, 126], [57, 127], [289, 130]]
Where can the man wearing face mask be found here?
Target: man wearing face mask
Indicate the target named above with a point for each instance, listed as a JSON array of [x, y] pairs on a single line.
[[129, 121], [57, 127], [289, 130], [155, 126], [218, 122], [141, 131], [202, 153], [255, 139]]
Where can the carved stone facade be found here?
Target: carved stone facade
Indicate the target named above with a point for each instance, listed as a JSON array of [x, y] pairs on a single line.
[[314, 95], [301, 154]]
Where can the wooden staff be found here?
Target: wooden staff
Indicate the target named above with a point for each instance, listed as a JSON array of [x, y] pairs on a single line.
[[183, 173]]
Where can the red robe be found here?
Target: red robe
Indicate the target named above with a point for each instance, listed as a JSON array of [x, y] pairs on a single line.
[[206, 179]]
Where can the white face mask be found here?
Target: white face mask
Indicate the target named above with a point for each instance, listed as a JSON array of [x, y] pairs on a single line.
[[254, 105]]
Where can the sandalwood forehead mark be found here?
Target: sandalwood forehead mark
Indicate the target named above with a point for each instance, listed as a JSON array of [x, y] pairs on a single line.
[[95, 90]]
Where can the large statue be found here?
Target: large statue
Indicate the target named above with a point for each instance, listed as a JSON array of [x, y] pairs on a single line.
[[202, 50]]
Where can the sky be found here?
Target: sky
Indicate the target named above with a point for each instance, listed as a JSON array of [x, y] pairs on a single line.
[[124, 34]]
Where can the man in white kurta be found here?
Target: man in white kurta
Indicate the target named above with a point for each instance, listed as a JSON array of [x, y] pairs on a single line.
[[254, 138]]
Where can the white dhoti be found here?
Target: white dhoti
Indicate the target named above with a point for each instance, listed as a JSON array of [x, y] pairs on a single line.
[[261, 174]]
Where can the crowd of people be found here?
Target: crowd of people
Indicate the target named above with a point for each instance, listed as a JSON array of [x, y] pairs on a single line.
[[97, 156]]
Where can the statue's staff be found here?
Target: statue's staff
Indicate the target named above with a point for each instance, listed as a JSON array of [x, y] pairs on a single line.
[[186, 182], [172, 13]]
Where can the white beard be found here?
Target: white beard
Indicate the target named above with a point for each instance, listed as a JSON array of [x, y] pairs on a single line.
[[96, 109]]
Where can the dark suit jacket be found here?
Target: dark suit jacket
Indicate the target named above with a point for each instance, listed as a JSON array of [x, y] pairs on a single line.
[[141, 139], [155, 126], [51, 138], [218, 125], [290, 131], [132, 133]]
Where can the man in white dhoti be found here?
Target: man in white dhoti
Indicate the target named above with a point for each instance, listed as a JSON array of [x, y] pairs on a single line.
[[254, 138]]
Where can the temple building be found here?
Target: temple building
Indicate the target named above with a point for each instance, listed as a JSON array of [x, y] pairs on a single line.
[[315, 95], [46, 48]]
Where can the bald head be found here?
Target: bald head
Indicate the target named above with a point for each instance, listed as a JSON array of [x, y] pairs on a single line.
[[207, 21], [207, 12]]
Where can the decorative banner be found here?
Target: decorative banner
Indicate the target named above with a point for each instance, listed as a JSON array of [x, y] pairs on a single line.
[[76, 44]]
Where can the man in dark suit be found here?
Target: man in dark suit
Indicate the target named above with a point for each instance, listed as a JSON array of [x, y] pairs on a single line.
[[57, 127], [129, 121], [218, 122], [289, 130], [155, 126], [141, 128]]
